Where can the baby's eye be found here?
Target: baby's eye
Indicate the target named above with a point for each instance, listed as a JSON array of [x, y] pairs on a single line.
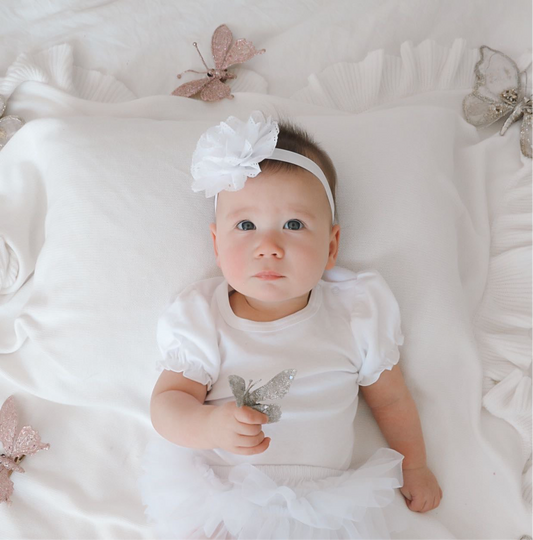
[[247, 223], [294, 224]]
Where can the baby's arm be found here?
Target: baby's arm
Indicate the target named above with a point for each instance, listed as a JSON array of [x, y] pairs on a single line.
[[395, 412], [179, 414]]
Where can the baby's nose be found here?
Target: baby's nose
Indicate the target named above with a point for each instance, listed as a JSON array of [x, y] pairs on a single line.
[[268, 247]]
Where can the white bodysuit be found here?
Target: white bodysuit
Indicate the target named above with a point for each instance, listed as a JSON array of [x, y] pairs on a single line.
[[348, 333]]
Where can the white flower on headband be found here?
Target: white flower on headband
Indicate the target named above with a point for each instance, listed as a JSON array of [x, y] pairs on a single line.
[[227, 154]]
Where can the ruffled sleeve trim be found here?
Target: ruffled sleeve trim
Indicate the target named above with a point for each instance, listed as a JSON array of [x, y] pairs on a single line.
[[376, 325], [187, 335], [176, 360], [390, 357]]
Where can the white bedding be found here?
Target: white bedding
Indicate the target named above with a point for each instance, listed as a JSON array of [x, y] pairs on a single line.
[[118, 60]]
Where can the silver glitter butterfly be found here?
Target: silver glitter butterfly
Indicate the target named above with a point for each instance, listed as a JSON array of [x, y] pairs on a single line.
[[499, 91], [276, 388], [212, 87]]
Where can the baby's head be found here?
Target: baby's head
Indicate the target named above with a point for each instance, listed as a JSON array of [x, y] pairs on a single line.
[[280, 221]]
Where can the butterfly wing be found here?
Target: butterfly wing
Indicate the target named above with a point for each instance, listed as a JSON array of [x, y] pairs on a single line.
[[215, 91], [482, 112], [495, 74], [276, 388], [525, 134], [270, 409], [190, 88], [238, 388], [6, 486], [28, 442], [220, 43], [241, 51], [8, 424]]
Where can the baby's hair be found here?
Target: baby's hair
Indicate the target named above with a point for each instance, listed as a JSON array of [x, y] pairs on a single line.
[[295, 139]]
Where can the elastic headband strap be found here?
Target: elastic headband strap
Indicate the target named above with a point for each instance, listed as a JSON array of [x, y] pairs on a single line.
[[306, 163]]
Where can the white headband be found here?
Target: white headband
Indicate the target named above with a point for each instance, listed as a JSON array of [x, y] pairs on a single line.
[[228, 154], [306, 163]]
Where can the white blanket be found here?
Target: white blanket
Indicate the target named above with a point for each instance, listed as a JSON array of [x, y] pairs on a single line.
[[467, 319]]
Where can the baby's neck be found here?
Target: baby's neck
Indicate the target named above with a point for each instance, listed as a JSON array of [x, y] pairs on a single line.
[[242, 308]]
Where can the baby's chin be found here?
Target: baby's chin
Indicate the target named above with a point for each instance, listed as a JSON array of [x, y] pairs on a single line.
[[274, 291]]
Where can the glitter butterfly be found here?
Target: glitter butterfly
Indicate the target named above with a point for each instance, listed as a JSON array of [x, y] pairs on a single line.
[[27, 442], [212, 87], [276, 388], [499, 91]]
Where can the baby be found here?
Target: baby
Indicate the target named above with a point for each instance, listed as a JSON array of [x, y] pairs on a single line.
[[223, 471]]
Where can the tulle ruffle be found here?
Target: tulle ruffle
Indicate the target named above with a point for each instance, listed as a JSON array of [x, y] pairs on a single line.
[[185, 497]]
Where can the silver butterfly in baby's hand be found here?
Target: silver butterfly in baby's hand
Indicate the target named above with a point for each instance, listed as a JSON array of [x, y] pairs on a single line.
[[500, 90], [276, 388]]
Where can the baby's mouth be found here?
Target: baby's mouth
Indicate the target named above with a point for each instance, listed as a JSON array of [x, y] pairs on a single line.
[[268, 275]]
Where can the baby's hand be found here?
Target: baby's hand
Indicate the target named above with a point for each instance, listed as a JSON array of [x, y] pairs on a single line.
[[238, 429], [420, 489]]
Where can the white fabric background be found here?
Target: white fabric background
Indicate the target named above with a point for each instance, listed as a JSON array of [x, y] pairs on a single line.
[[117, 51], [145, 44]]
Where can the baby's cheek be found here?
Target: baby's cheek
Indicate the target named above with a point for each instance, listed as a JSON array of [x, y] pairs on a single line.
[[234, 263]]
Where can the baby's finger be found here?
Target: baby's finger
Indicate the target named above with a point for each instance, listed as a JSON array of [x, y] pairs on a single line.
[[258, 449], [406, 494], [248, 429], [245, 441], [425, 507], [247, 415], [416, 504]]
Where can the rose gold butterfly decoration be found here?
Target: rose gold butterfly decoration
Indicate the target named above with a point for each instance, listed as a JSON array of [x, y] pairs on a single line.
[[212, 88], [15, 448]]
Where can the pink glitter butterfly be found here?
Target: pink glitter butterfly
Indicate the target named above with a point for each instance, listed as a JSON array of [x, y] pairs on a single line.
[[27, 442], [212, 87]]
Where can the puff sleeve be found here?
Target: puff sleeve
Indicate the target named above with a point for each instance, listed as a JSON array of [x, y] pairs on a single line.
[[187, 338], [375, 323]]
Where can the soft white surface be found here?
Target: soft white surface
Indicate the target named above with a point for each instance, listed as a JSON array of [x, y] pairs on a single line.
[[120, 225], [146, 44], [93, 411]]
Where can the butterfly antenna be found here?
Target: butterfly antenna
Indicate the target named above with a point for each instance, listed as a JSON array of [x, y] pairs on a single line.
[[257, 382], [192, 70], [196, 45], [186, 71], [525, 71]]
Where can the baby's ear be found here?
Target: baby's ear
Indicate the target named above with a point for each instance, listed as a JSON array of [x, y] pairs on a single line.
[[333, 247], [213, 229]]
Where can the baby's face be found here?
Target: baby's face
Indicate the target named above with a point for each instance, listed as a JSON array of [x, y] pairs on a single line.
[[278, 222]]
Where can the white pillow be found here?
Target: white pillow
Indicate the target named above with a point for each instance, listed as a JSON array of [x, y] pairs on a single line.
[[124, 231]]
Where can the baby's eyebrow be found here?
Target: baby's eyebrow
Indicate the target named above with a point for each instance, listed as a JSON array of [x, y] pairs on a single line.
[[298, 210]]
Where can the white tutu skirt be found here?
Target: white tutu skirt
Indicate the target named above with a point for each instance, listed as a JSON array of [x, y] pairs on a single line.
[[186, 498]]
